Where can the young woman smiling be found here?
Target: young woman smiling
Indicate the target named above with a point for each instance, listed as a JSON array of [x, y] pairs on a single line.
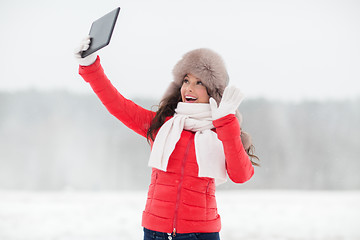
[[196, 142]]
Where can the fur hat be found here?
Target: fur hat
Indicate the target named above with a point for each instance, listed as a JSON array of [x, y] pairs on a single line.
[[204, 64]]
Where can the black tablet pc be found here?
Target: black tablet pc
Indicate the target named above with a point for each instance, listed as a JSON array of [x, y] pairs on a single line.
[[101, 31]]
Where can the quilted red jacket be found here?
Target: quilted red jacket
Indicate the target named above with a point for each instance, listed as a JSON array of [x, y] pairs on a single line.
[[178, 200]]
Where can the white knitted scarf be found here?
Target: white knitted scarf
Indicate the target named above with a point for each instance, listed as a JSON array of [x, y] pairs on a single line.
[[195, 117]]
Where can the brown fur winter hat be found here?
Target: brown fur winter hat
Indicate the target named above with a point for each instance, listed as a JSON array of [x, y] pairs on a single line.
[[204, 64]]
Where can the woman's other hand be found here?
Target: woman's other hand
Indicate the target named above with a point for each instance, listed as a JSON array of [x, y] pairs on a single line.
[[230, 101]]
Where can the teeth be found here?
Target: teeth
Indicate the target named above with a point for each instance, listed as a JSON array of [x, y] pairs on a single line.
[[190, 98]]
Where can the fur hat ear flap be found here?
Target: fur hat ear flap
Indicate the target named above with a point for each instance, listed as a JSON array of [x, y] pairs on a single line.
[[238, 116], [245, 137], [246, 140]]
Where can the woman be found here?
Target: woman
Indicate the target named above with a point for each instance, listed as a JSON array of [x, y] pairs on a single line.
[[195, 138]]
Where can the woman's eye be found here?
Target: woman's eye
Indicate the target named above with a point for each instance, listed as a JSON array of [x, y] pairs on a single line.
[[185, 81], [199, 83]]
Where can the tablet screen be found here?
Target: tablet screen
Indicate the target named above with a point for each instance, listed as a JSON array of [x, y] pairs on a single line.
[[101, 31]]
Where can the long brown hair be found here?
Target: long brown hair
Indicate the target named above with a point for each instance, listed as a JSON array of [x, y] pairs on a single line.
[[167, 108]]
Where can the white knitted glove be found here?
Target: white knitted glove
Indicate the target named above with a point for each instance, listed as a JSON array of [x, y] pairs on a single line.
[[84, 45], [230, 101]]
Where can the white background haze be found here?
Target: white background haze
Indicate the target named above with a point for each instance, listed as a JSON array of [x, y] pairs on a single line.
[[279, 49]]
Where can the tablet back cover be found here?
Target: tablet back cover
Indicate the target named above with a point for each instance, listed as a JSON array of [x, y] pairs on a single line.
[[101, 31]]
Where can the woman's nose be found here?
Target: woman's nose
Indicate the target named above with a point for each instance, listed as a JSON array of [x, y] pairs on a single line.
[[190, 87]]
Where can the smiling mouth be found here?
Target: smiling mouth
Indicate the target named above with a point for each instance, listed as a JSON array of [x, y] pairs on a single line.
[[190, 99]]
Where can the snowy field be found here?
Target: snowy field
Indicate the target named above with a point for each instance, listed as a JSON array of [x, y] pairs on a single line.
[[269, 215]]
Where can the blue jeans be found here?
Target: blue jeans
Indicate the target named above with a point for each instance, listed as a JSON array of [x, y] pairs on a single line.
[[153, 235]]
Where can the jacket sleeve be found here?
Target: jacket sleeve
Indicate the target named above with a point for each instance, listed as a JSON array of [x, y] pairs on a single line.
[[132, 115], [238, 164]]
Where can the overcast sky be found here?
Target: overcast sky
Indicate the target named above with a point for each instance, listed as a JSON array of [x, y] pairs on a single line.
[[289, 50]]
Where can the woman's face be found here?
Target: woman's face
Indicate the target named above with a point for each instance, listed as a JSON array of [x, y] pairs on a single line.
[[193, 91]]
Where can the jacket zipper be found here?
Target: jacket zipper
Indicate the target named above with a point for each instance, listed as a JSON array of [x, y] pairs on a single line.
[[179, 187]]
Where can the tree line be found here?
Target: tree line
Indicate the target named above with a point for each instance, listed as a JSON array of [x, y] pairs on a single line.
[[59, 140]]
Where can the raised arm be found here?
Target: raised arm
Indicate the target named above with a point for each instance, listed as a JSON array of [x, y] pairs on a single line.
[[238, 164], [129, 113]]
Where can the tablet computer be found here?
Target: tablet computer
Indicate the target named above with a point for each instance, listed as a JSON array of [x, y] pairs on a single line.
[[101, 31]]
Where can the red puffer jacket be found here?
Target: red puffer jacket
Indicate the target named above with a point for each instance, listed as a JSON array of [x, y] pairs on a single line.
[[178, 200]]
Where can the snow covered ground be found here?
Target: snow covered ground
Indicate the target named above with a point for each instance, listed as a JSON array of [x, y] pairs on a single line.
[[280, 215]]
